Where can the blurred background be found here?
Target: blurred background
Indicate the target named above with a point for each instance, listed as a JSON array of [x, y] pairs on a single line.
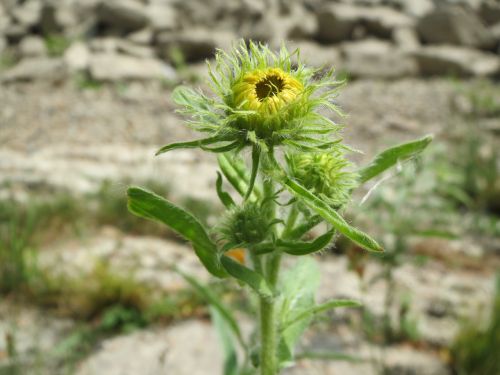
[[84, 103]]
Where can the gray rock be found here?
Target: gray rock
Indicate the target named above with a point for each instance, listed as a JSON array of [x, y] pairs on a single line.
[[194, 44], [162, 17], [116, 67], [414, 8], [32, 46], [188, 348], [15, 32], [3, 45], [28, 13], [36, 69], [132, 49], [406, 38], [105, 45], [336, 22], [461, 61], [143, 37], [407, 361], [317, 55], [77, 57], [126, 15], [490, 12], [381, 21], [377, 59], [454, 25]]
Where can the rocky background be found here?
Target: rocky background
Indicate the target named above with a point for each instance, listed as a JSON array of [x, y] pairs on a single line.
[[84, 103]]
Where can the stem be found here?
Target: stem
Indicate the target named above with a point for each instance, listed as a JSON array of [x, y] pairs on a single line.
[[268, 337], [255, 169]]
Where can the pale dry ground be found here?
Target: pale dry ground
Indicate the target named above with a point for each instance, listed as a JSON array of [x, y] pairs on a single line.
[[63, 139]]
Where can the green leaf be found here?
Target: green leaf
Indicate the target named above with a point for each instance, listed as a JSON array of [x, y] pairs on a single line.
[[230, 356], [216, 303], [298, 286], [234, 170], [332, 216], [191, 144], [393, 155], [148, 205], [303, 247], [304, 227], [309, 313], [224, 197], [255, 169], [253, 279]]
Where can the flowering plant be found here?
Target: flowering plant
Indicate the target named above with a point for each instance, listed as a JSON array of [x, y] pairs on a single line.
[[298, 176]]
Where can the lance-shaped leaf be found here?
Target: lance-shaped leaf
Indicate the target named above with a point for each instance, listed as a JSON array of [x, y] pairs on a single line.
[[202, 143], [304, 227], [329, 214], [304, 247], [235, 172], [318, 309], [388, 158], [224, 197], [151, 206], [253, 279]]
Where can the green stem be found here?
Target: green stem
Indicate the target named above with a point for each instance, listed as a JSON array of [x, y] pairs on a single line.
[[268, 337], [255, 169]]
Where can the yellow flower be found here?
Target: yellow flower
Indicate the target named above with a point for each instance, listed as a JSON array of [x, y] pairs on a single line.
[[266, 91]]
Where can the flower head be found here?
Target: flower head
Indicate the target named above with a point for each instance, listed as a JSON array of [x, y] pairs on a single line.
[[261, 98], [328, 174]]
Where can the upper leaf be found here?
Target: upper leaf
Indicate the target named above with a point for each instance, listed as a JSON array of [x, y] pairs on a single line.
[[393, 155], [151, 206]]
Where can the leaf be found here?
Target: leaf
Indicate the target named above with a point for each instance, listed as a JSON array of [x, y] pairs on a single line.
[[332, 216], [255, 169], [253, 279], [235, 172], [148, 205], [224, 197], [191, 144], [303, 247], [309, 313], [230, 356], [215, 302], [393, 155], [304, 227], [298, 286]]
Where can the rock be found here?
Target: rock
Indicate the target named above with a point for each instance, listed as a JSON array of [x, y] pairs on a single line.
[[407, 361], [28, 13], [115, 67], [15, 32], [317, 55], [381, 21], [376, 59], [57, 17], [194, 44], [31, 69], [168, 350], [162, 17], [3, 45], [77, 57], [406, 38], [126, 15], [32, 46], [461, 61], [415, 9], [495, 31], [104, 45], [336, 22], [299, 23], [143, 37], [454, 25], [133, 49], [490, 12]]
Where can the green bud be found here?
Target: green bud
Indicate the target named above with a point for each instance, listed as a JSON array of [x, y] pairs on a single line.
[[327, 174], [245, 225]]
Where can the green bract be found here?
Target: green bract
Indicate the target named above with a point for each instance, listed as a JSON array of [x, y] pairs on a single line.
[[261, 98]]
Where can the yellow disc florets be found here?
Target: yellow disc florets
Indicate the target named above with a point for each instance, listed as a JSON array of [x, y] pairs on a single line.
[[266, 91]]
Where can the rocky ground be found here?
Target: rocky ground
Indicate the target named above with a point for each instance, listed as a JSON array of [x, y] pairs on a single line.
[[85, 98]]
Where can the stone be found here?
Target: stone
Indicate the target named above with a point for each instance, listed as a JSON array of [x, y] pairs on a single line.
[[407, 361], [336, 22], [133, 49], [381, 21], [456, 26], [194, 44], [105, 44], [15, 32], [406, 38], [126, 15], [143, 37], [376, 59], [32, 46], [490, 12], [317, 55], [413, 8], [461, 61], [40, 68], [187, 348], [162, 17], [28, 13], [116, 67], [3, 45], [77, 57]]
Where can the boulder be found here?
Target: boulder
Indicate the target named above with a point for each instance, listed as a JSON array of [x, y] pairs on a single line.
[[381, 21], [194, 44], [116, 67], [133, 49], [31, 69], [456, 26], [461, 61], [28, 13], [408, 361], [32, 46], [143, 36], [126, 15], [376, 59], [317, 55], [77, 57], [336, 22], [162, 16], [406, 38], [490, 12]]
